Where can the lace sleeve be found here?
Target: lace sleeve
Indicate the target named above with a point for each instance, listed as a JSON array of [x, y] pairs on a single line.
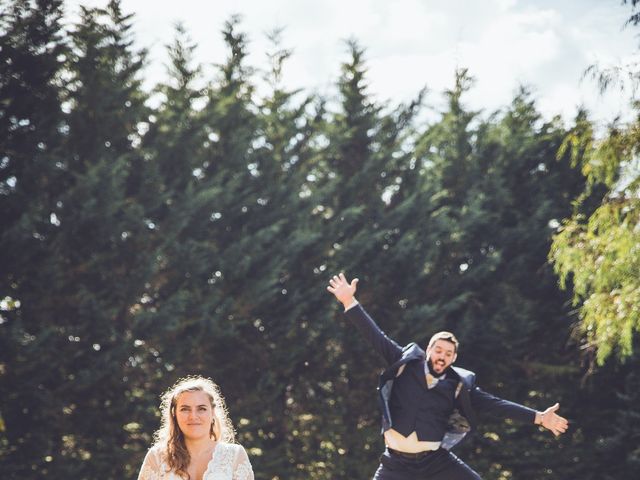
[[150, 469], [241, 466]]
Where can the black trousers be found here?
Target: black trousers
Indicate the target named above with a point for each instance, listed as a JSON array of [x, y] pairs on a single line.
[[438, 465]]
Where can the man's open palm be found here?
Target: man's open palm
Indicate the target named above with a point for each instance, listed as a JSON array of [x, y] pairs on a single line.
[[342, 289]]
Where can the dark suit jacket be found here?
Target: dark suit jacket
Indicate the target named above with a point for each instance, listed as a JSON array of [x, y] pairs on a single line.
[[409, 360]]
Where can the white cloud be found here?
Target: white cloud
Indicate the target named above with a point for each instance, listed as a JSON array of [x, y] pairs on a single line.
[[409, 43]]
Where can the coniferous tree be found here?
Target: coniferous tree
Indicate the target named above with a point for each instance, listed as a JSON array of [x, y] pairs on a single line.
[[464, 237], [357, 172], [140, 244], [515, 301], [85, 272], [32, 50], [171, 153], [274, 302]]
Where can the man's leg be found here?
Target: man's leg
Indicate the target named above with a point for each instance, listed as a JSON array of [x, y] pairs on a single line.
[[441, 465], [392, 468], [450, 467], [383, 473]]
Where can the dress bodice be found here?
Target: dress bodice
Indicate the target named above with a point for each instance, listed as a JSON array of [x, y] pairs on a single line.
[[228, 462]]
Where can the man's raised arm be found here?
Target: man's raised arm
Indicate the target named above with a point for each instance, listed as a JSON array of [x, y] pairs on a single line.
[[345, 294]]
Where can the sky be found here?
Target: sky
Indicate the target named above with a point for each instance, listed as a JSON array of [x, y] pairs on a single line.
[[545, 45]]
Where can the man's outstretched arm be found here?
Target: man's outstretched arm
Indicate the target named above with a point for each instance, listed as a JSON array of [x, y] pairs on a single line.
[[485, 402], [345, 294]]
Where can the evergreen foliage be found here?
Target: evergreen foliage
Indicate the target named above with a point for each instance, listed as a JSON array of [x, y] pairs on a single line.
[[191, 230], [596, 252]]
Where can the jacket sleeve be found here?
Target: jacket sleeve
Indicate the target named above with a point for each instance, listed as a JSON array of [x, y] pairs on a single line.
[[482, 401], [368, 328]]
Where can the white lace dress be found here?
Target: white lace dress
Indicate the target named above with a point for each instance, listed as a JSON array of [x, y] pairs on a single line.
[[228, 462]]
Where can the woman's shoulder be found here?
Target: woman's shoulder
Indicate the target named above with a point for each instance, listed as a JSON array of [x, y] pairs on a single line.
[[236, 458], [157, 449], [157, 452], [234, 451], [232, 447], [153, 467]]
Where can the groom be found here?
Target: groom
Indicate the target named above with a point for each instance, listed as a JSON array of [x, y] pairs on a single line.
[[427, 404]]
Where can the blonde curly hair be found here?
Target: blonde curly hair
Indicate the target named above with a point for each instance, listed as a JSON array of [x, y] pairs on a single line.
[[170, 439]]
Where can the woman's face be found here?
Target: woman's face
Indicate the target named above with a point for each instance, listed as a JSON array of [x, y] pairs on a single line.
[[194, 414]]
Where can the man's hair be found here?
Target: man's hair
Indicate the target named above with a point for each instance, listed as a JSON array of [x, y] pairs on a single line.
[[448, 336]]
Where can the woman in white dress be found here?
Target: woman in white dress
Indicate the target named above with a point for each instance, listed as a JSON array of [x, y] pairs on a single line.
[[195, 440]]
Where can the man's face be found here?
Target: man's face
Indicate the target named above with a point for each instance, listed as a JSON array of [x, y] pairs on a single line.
[[442, 354]]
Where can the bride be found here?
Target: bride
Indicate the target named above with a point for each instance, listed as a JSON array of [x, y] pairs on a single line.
[[195, 440]]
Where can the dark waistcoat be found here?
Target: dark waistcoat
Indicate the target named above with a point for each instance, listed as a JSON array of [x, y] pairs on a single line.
[[401, 384], [415, 407]]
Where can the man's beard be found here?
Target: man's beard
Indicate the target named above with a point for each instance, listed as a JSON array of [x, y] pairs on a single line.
[[433, 372]]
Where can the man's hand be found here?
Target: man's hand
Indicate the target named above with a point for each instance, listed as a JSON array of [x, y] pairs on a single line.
[[343, 290], [552, 421]]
